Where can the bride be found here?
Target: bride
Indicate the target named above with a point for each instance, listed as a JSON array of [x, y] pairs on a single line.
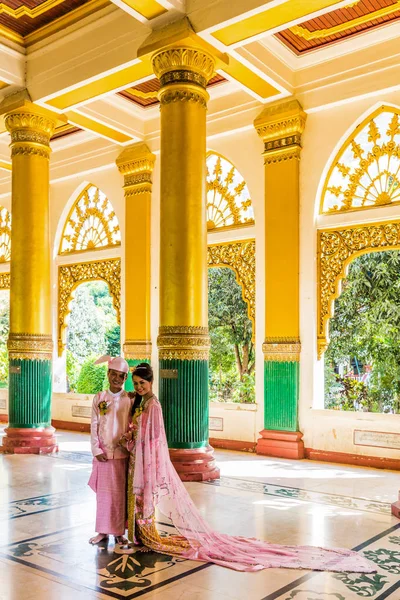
[[153, 482]]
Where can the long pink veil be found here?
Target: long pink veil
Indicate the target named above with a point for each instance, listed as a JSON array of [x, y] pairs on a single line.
[[158, 484]]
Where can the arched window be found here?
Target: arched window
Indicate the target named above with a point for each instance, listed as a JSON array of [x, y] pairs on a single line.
[[91, 224], [228, 197], [366, 171], [5, 235]]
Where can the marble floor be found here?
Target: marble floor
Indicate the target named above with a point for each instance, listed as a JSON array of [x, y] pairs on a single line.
[[47, 515]]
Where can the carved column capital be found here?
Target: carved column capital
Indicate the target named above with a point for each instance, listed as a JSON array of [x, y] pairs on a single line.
[[280, 126], [31, 129], [136, 164]]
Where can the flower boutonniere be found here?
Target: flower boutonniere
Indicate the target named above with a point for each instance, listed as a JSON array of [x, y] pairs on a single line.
[[103, 408]]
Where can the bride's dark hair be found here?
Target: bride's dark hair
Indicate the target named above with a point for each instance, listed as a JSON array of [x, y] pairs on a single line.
[[144, 371]]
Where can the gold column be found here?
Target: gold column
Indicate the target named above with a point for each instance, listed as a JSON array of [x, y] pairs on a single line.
[[136, 163], [30, 340], [183, 340], [280, 126]]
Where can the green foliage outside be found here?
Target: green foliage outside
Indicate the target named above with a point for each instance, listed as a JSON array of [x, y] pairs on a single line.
[[91, 377], [92, 331], [232, 360], [4, 328], [365, 330]]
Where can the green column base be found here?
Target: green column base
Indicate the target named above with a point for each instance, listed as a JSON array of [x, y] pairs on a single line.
[[185, 403], [29, 393], [281, 388]]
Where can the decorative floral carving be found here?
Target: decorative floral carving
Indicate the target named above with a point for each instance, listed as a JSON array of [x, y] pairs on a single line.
[[365, 172], [281, 349], [168, 96], [70, 276], [280, 122], [241, 257], [27, 346], [228, 197], [336, 249], [137, 349], [5, 235], [30, 151], [183, 59], [5, 281], [281, 154], [183, 343], [91, 224], [17, 121]]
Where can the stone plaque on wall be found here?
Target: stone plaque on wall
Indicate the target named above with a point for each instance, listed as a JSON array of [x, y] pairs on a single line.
[[81, 411], [378, 439], [216, 424]]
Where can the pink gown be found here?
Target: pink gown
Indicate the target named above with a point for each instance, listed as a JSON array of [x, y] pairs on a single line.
[[155, 483]]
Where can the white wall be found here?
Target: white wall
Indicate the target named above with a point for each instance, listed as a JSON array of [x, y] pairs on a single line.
[[325, 131]]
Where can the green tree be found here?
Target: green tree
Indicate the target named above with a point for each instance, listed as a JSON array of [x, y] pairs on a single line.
[[91, 377], [366, 326], [232, 360], [86, 330]]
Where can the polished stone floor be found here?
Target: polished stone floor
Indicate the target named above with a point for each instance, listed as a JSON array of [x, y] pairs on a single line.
[[47, 514]]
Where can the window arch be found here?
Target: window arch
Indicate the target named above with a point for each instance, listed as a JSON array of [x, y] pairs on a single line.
[[366, 171], [5, 235], [91, 224], [228, 197]]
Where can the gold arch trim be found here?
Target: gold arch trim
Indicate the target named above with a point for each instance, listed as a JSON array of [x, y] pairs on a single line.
[[227, 209], [104, 227], [241, 257], [367, 159], [71, 276], [308, 35], [336, 249]]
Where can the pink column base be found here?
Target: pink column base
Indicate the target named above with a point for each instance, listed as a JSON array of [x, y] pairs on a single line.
[[40, 440], [281, 444], [195, 464]]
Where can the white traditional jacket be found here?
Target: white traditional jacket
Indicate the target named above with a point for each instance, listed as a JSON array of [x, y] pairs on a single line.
[[106, 430]]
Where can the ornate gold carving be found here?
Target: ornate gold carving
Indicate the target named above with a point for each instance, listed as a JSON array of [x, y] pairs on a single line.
[[70, 276], [241, 257], [336, 249], [30, 151], [281, 349], [28, 123], [27, 346], [228, 197], [308, 35], [183, 343], [136, 164], [184, 59], [280, 127], [5, 235], [5, 281], [137, 349], [91, 223], [183, 77], [179, 95], [365, 171], [282, 154]]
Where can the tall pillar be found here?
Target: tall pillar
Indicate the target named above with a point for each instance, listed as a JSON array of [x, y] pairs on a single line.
[[30, 342], [280, 126], [183, 335], [136, 163]]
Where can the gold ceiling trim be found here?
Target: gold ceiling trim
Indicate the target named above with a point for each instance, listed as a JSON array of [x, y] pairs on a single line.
[[336, 249], [25, 11], [71, 276], [307, 35], [64, 21], [239, 256]]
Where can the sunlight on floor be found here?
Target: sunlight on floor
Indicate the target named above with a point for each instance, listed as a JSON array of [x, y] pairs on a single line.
[[261, 469]]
